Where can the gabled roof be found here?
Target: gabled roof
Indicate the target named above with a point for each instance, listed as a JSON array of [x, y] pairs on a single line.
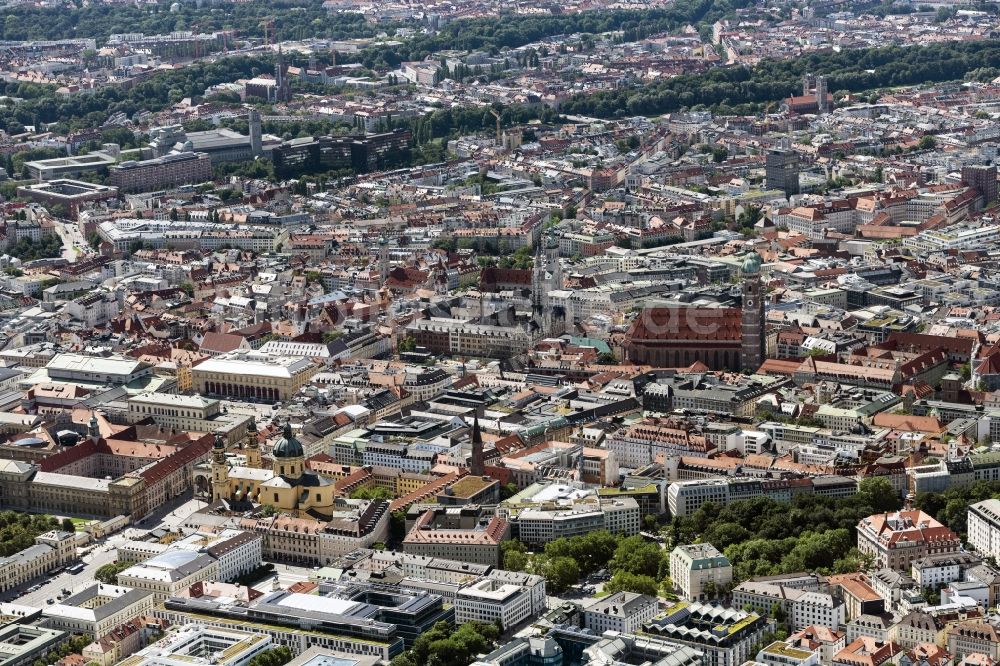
[[688, 324], [221, 342]]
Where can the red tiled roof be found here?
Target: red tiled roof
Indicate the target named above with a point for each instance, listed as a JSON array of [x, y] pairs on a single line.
[[494, 276], [688, 323], [432, 488], [221, 342], [68, 456], [907, 422], [164, 468]]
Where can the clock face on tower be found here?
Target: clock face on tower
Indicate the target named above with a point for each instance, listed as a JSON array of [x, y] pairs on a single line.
[[749, 302]]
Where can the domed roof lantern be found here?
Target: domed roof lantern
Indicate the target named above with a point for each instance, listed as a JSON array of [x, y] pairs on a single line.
[[288, 446]]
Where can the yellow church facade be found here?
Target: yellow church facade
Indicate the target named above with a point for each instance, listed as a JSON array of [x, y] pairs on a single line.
[[288, 486]]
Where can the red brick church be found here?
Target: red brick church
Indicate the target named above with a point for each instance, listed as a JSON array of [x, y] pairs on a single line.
[[721, 338]]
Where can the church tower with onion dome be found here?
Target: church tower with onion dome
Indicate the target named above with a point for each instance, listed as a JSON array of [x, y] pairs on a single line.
[[753, 342], [220, 469], [252, 446]]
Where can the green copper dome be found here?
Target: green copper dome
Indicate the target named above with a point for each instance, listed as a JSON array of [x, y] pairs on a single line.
[[288, 446], [751, 263]]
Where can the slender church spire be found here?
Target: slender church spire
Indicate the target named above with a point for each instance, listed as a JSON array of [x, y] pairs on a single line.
[[478, 466]]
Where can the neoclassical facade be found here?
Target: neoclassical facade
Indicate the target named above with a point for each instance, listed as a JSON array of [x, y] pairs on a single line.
[[252, 375], [104, 477]]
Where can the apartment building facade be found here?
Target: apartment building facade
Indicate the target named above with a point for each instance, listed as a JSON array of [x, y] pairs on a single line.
[[162, 172], [895, 540]]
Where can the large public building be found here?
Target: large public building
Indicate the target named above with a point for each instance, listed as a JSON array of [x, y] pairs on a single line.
[[104, 476]]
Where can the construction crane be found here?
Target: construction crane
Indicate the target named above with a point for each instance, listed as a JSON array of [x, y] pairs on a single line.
[[499, 135], [268, 25]]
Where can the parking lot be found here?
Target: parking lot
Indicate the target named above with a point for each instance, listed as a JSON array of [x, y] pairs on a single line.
[[52, 586]]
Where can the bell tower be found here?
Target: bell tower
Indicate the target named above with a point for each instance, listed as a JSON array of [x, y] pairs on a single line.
[[383, 258], [282, 92], [220, 469], [252, 445], [94, 428], [753, 342]]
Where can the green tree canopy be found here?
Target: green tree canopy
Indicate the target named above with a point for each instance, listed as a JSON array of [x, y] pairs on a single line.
[[637, 556], [623, 581], [444, 646], [109, 572], [559, 572], [18, 530], [278, 656], [375, 492], [591, 551]]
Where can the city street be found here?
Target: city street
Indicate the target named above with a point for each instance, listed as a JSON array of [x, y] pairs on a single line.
[[74, 244], [170, 515]]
